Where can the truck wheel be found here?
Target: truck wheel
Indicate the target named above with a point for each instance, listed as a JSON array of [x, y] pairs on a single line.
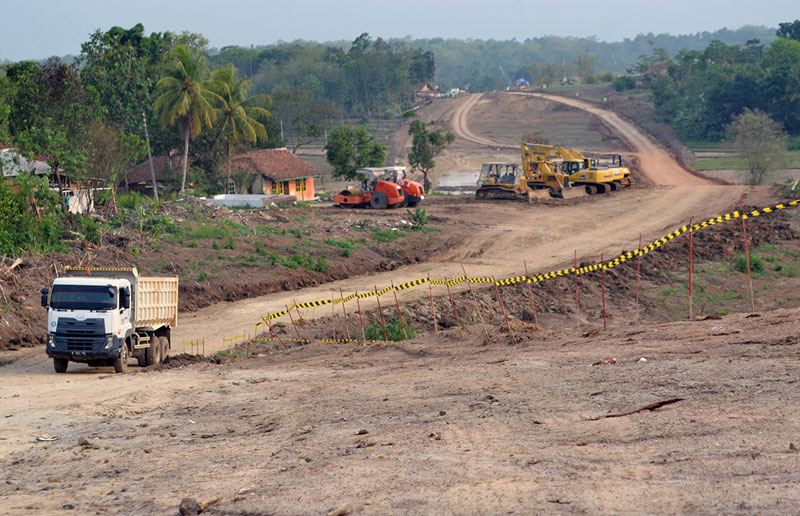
[[164, 348], [60, 364], [141, 358], [153, 353], [379, 201], [406, 200], [415, 201], [121, 362]]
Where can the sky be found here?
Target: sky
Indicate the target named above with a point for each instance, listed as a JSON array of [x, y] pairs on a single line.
[[35, 29]]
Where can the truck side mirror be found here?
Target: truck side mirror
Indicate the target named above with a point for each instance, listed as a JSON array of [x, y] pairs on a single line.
[[126, 298], [44, 297]]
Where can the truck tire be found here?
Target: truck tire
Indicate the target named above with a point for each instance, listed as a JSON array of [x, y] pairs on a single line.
[[60, 364], [164, 348], [121, 362], [153, 353], [141, 358], [379, 201], [406, 200]]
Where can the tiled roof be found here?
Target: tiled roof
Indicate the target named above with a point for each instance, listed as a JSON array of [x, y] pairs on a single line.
[[141, 172], [275, 164]]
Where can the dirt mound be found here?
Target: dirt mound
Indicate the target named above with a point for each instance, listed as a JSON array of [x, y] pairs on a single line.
[[183, 360]]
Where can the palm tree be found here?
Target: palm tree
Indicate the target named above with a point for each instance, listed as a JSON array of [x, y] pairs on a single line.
[[185, 97], [240, 115]]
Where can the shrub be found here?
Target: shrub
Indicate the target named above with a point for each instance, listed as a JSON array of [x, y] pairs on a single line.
[[394, 330], [418, 218], [756, 263], [624, 82], [386, 235], [230, 244]]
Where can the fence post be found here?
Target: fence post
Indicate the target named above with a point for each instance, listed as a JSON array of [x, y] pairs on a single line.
[[603, 287], [433, 308], [380, 311], [402, 322], [747, 251], [533, 302], [453, 304], [299, 338], [475, 299], [691, 298], [344, 309], [275, 335], [333, 317], [577, 309], [638, 274], [360, 319]]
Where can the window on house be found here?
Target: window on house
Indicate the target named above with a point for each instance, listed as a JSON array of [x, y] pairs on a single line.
[[280, 188], [299, 185]]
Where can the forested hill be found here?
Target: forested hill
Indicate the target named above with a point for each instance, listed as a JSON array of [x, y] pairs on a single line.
[[475, 64]]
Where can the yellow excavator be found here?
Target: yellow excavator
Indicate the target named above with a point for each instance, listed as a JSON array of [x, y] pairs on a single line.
[[581, 172]]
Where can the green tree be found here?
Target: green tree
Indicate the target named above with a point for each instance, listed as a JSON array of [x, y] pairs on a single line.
[[789, 30], [110, 154], [759, 140], [241, 116], [301, 115], [426, 144], [185, 98], [350, 148]]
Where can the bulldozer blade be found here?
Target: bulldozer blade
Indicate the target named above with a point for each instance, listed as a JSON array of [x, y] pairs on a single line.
[[573, 193], [538, 194]]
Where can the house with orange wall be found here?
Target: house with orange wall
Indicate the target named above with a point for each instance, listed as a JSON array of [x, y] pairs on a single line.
[[277, 172]]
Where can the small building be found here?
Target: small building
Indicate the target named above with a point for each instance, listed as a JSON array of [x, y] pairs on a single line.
[[140, 179], [427, 92], [276, 171]]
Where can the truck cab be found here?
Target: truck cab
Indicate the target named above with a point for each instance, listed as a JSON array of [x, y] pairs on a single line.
[[92, 317]]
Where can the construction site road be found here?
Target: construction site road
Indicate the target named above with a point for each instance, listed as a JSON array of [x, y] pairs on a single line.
[[507, 235]]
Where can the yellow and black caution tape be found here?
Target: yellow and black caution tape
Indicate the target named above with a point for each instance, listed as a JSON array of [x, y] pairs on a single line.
[[619, 260]]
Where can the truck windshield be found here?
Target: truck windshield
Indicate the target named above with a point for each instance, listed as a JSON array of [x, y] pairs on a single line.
[[84, 297]]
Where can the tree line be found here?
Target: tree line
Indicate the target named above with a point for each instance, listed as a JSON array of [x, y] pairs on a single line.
[[699, 92]]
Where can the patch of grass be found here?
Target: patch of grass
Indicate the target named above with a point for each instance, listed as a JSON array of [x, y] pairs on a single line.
[[215, 245], [386, 235], [790, 270], [204, 275], [230, 244], [192, 244], [394, 330], [765, 248], [266, 229], [347, 246]]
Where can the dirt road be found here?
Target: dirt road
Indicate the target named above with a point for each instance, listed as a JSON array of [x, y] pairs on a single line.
[[441, 425]]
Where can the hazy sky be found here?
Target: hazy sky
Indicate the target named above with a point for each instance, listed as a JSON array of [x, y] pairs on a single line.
[[41, 28]]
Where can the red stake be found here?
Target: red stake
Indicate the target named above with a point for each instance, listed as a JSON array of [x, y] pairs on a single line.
[[691, 299], [272, 332], [361, 319], [508, 324], [475, 299], [344, 309], [433, 308], [333, 317], [603, 287], [399, 312], [638, 272], [302, 321], [380, 311], [577, 309], [747, 250], [299, 338], [453, 304]]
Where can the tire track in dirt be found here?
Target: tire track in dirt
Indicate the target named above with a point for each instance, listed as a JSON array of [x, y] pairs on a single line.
[[461, 126]]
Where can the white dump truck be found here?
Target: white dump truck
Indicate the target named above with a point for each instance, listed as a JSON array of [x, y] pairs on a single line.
[[105, 316]]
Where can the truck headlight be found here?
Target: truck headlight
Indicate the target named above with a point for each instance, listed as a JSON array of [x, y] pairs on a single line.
[[109, 341], [50, 340]]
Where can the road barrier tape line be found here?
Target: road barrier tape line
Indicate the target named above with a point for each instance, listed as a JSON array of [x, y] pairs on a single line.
[[585, 269], [232, 338], [306, 341]]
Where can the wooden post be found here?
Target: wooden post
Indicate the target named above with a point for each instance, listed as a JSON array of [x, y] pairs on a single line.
[[638, 274], [691, 299], [302, 321], [453, 304], [380, 311], [603, 287], [508, 324], [360, 319], [299, 338], [275, 335], [344, 309], [402, 322], [247, 353], [333, 317], [474, 299], [747, 251], [577, 309], [533, 302], [433, 307]]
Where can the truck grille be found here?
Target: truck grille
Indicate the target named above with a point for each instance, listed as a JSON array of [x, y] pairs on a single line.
[[75, 335]]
